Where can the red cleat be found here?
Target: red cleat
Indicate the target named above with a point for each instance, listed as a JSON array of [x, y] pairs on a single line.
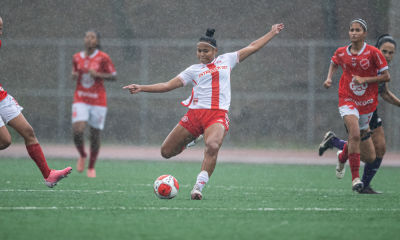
[[56, 175]]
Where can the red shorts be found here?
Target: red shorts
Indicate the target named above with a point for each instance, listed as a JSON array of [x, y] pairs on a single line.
[[196, 121]]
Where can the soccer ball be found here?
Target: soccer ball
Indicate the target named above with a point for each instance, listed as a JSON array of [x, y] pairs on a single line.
[[166, 187]]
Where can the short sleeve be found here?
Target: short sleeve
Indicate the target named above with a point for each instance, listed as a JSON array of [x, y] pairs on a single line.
[[108, 66], [380, 61], [232, 58], [335, 59], [186, 76]]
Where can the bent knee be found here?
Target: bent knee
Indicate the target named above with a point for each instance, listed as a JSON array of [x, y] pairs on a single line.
[[5, 143], [166, 153], [212, 147], [380, 151]]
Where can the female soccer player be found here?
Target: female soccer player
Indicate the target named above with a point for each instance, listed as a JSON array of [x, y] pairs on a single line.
[[387, 45], [358, 96], [209, 102], [10, 113], [90, 68]]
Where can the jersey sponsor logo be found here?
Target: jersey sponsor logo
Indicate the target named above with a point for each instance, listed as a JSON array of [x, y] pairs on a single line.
[[380, 61], [216, 69], [364, 64], [87, 81], [353, 59], [87, 94], [195, 101], [359, 103], [358, 90], [184, 119]]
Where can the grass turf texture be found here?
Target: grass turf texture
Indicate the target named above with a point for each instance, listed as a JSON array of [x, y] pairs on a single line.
[[241, 201]]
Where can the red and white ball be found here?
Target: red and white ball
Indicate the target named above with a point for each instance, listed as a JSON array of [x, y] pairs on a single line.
[[166, 187]]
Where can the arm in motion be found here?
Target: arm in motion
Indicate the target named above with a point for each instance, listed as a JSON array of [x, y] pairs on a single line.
[[155, 88], [390, 97], [332, 69], [258, 44], [384, 77]]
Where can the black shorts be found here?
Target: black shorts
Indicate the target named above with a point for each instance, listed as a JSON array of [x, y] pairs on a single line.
[[376, 121]]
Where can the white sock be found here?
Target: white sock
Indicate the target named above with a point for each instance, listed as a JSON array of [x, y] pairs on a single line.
[[202, 179]]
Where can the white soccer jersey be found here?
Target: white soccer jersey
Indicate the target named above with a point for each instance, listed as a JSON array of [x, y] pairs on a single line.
[[212, 83]]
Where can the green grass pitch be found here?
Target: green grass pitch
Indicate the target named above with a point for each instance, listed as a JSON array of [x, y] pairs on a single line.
[[241, 201]]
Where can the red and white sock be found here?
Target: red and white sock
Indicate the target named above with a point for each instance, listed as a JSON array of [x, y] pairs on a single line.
[[343, 156], [202, 179], [93, 158], [36, 153], [354, 162]]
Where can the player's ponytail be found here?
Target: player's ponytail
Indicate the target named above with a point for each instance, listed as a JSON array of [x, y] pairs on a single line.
[[384, 39], [209, 37], [98, 46]]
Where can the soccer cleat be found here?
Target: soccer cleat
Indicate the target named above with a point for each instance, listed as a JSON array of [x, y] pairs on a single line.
[[357, 185], [80, 165], [56, 175], [340, 167], [91, 173], [194, 142], [368, 190], [325, 145], [196, 193]]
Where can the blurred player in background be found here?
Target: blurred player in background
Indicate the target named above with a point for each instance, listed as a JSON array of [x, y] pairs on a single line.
[[387, 45], [90, 68], [209, 102], [10, 113], [358, 97]]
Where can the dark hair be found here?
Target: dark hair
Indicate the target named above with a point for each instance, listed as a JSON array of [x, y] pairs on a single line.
[[384, 39], [209, 37], [97, 36], [361, 22]]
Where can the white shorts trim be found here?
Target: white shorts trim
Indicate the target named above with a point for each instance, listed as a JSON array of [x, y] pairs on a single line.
[[363, 120], [94, 115], [9, 109]]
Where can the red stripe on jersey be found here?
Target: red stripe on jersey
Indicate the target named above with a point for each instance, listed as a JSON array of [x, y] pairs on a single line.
[[214, 87], [191, 99]]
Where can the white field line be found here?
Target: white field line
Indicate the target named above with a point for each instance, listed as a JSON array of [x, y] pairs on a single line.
[[202, 209]]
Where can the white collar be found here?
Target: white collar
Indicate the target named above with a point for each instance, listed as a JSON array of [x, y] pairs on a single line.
[[92, 55], [362, 50]]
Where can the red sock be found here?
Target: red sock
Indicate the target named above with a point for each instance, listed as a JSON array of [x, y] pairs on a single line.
[[93, 158], [81, 150], [36, 153], [343, 156], [354, 162]]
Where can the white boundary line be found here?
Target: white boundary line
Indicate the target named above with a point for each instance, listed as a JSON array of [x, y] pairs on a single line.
[[202, 209]]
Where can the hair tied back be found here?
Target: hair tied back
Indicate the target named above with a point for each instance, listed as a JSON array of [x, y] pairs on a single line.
[[210, 32]]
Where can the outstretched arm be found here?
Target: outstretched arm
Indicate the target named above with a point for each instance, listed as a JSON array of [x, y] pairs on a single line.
[[390, 97], [384, 77], [258, 44], [332, 69], [155, 88]]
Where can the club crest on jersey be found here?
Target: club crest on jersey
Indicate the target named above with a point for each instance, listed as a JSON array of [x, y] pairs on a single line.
[[364, 64], [195, 101], [358, 90], [184, 119]]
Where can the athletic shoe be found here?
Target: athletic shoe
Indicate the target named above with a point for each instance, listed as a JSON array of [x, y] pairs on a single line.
[[357, 185], [368, 190], [80, 165], [91, 173], [56, 175], [196, 193], [340, 167], [194, 142], [325, 145]]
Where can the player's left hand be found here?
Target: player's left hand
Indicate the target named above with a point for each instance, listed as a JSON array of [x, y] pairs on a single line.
[[133, 88], [358, 80], [93, 73], [277, 28]]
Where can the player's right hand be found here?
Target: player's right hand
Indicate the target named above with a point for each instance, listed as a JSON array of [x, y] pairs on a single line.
[[133, 88], [328, 83]]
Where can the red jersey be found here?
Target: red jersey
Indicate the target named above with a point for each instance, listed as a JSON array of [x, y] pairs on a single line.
[[367, 63], [3, 93], [91, 90]]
